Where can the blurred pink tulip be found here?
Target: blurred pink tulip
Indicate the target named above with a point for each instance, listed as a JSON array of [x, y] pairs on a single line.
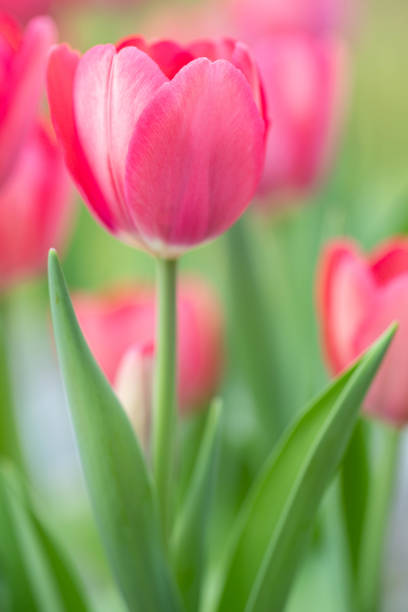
[[35, 208], [23, 58], [358, 298], [258, 17], [304, 80], [120, 331], [164, 158], [23, 10]]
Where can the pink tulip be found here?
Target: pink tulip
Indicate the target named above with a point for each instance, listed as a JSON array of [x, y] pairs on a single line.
[[120, 330], [166, 146], [35, 208], [23, 58], [25, 9], [303, 76], [262, 16], [358, 298]]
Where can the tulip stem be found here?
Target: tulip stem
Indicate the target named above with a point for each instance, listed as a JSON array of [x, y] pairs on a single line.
[[378, 510], [164, 409], [9, 440]]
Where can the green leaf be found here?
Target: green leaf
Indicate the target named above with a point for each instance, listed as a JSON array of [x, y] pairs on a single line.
[[376, 521], [273, 527], [256, 352], [355, 478], [117, 479], [190, 534], [36, 574], [64, 576], [10, 447]]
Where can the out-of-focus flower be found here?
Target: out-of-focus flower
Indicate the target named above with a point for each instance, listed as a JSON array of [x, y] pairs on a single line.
[[23, 10], [120, 330], [358, 298], [166, 147], [23, 58], [304, 81], [35, 208], [258, 17]]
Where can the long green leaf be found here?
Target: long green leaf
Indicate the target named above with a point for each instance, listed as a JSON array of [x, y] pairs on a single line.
[[36, 573], [118, 482], [190, 534], [355, 479], [273, 527], [66, 581]]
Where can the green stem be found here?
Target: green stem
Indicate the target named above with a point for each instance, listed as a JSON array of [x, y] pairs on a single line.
[[164, 409], [9, 438], [376, 523]]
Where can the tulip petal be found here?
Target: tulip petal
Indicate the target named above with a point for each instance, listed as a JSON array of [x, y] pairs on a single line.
[[26, 81], [110, 91], [346, 293], [62, 68], [195, 158], [388, 394], [390, 261], [238, 54]]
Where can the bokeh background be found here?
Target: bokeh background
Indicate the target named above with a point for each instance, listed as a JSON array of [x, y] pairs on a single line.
[[364, 195]]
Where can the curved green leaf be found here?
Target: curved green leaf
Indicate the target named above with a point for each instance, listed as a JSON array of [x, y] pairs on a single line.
[[36, 574], [118, 483], [190, 533], [273, 527]]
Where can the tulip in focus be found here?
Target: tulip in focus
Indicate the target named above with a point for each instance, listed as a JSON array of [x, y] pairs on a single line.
[[359, 296], [304, 82], [23, 58], [165, 142], [120, 331], [35, 208]]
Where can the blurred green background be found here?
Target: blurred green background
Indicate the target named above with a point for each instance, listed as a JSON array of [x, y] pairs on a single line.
[[365, 196]]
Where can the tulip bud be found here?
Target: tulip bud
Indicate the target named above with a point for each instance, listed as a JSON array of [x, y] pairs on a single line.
[[134, 387], [23, 59], [35, 208], [358, 298]]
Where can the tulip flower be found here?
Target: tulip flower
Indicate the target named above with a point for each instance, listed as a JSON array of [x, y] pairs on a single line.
[[161, 155], [23, 10], [114, 323], [258, 17], [120, 330], [35, 208], [23, 58], [166, 143], [359, 296], [303, 76]]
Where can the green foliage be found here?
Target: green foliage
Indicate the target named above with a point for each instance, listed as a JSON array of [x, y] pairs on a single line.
[[35, 573], [118, 482], [273, 527]]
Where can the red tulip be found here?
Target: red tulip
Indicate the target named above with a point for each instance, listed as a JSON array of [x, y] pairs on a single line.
[[120, 331], [23, 57], [166, 146], [35, 208], [358, 298], [303, 76]]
